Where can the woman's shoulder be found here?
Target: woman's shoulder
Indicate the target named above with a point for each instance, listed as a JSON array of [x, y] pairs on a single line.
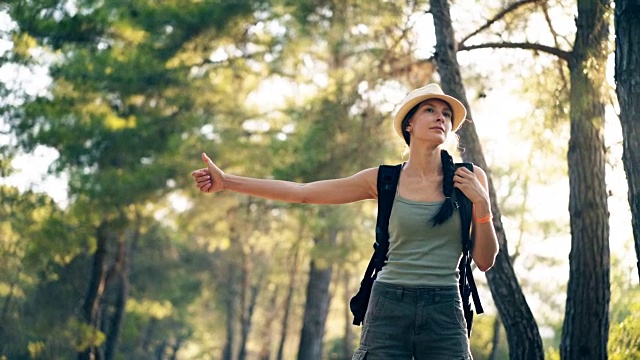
[[481, 175], [479, 171], [369, 174], [368, 178]]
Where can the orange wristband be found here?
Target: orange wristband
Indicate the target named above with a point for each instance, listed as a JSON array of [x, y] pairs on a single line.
[[485, 219]]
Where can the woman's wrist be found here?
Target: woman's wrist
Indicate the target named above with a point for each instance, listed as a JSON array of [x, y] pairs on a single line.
[[230, 182], [482, 213], [485, 219]]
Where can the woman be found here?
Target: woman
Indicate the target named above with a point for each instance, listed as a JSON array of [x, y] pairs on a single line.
[[415, 310]]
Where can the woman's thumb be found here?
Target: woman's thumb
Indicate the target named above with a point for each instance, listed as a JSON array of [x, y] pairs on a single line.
[[206, 159]]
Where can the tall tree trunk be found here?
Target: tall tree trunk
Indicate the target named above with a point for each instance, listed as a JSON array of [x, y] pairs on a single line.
[[316, 308], [267, 330], [522, 331], [247, 314], [117, 318], [495, 342], [148, 335], [349, 336], [586, 324], [233, 283], [160, 350], [286, 307], [244, 290], [121, 271], [627, 25], [230, 302], [174, 349], [91, 305]]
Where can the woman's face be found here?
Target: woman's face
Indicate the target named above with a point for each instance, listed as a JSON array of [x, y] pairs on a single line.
[[431, 122]]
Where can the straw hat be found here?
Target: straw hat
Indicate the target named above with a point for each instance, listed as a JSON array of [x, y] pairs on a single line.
[[431, 91]]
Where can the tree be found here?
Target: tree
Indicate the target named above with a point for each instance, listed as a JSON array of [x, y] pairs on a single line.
[[627, 30], [117, 111], [588, 288], [585, 331], [139, 90], [340, 127], [522, 332], [28, 222]]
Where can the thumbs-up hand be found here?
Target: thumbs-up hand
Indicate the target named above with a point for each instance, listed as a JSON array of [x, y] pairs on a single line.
[[209, 179]]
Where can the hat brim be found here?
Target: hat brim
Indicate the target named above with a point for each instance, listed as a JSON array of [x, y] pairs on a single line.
[[459, 111]]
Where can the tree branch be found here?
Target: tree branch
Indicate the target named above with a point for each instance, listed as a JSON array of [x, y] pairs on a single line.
[[554, 33], [497, 17], [564, 55]]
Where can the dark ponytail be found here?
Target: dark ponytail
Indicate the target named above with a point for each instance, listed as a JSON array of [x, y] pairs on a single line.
[[448, 169]]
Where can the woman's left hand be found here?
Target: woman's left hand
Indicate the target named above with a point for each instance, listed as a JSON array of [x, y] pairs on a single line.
[[475, 186], [472, 184]]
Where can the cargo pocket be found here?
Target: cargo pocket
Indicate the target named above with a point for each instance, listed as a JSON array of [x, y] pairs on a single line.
[[360, 354], [377, 303]]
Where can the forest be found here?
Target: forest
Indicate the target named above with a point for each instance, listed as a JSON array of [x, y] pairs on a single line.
[[109, 251]]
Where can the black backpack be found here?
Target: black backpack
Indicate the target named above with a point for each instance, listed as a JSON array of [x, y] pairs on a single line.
[[388, 176]]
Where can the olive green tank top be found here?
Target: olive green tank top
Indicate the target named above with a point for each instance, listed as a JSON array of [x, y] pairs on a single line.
[[421, 254]]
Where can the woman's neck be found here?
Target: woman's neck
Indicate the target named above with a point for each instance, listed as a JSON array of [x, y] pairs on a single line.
[[424, 161]]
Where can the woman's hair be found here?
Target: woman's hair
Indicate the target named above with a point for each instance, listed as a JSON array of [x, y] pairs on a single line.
[[448, 169]]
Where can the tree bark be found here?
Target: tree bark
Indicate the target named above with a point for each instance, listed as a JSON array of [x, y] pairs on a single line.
[[121, 270], [287, 302], [522, 331], [247, 311], [267, 329], [244, 290], [495, 342], [91, 305], [246, 321], [586, 324], [315, 309], [150, 329], [174, 349], [117, 318], [349, 336], [230, 302], [627, 25]]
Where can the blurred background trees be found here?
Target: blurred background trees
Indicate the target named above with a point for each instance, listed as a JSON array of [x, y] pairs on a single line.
[[130, 262]]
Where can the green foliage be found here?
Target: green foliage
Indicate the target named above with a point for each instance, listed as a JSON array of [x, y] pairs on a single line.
[[624, 313], [121, 112], [140, 88], [117, 112], [334, 349], [82, 335], [165, 280], [53, 21], [36, 244], [552, 353], [482, 338], [624, 337], [27, 225]]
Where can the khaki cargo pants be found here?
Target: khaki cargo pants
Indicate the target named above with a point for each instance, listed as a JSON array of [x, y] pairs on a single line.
[[419, 323]]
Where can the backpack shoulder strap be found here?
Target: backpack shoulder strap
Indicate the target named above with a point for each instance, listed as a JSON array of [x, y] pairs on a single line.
[[466, 211], [467, 283], [388, 176]]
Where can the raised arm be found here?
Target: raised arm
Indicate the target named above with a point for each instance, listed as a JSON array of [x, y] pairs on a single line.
[[360, 186], [475, 187]]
